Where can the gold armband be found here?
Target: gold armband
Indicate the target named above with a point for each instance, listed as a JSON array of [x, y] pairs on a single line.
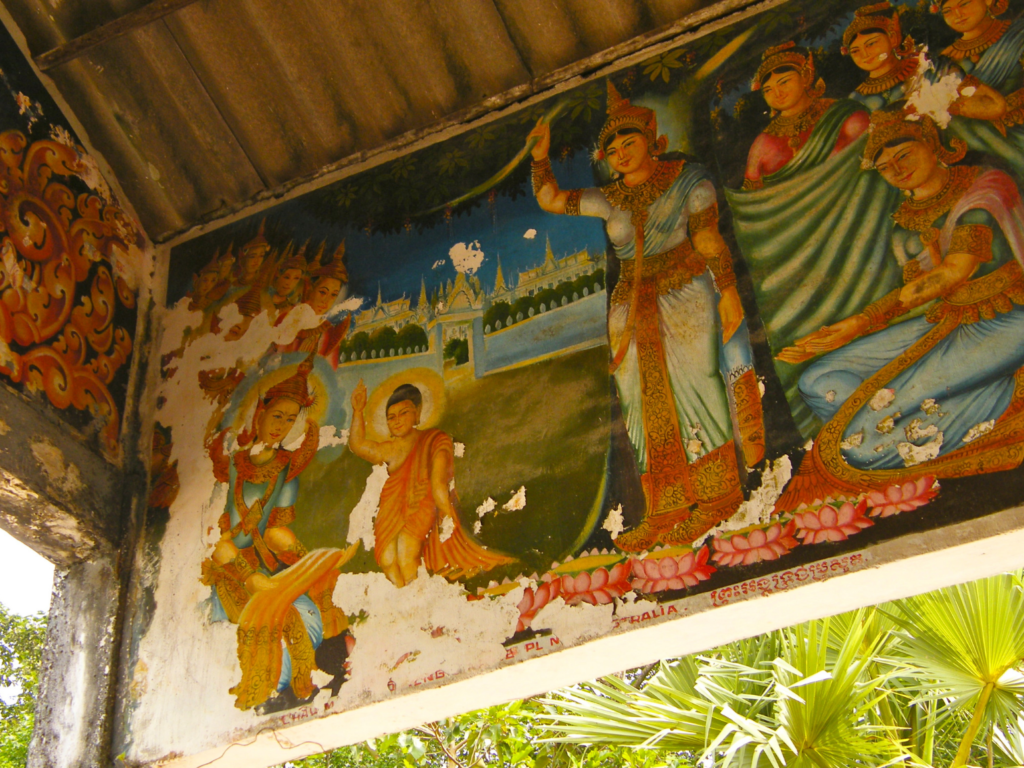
[[241, 568], [721, 267], [912, 270], [281, 516], [706, 219], [975, 239], [542, 175], [572, 203], [883, 311]]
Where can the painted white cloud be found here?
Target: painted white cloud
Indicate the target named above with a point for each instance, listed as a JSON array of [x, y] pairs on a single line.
[[351, 304], [530, 234], [466, 257]]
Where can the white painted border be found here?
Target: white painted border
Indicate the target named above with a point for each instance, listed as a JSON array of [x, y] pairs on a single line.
[[906, 566]]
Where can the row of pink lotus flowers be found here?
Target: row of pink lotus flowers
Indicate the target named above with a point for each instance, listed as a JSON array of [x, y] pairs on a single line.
[[662, 570], [835, 520]]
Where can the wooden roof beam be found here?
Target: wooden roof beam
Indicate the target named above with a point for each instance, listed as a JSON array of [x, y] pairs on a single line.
[[122, 25]]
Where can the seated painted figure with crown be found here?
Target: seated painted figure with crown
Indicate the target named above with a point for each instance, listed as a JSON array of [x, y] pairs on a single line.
[[417, 520], [680, 350], [929, 380], [262, 577]]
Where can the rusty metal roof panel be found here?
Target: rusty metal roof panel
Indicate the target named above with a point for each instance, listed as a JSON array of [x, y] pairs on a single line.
[[186, 151], [202, 107]]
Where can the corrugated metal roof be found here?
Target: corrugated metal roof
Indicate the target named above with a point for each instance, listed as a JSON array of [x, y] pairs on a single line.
[[222, 100]]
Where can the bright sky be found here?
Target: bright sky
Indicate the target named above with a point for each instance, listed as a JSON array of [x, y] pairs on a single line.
[[25, 578]]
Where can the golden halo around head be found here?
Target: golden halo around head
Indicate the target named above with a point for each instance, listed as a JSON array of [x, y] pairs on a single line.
[[431, 387], [317, 392]]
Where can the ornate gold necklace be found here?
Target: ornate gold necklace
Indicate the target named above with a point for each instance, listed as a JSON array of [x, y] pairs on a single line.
[[918, 215], [640, 197], [973, 49], [794, 127], [904, 69]]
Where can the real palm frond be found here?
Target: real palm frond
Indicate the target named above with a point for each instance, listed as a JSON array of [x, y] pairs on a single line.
[[798, 697]]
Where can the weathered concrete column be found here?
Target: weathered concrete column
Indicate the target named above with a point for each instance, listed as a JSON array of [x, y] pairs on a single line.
[[75, 699], [64, 501]]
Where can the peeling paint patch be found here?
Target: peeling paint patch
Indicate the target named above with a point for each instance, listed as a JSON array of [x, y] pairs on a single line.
[[472, 638], [360, 522], [934, 96], [931, 407], [63, 476], [331, 436], [488, 506], [978, 430], [918, 454], [614, 522], [883, 399], [853, 441], [758, 509], [888, 424], [460, 450], [466, 257], [447, 528], [914, 430], [517, 502]]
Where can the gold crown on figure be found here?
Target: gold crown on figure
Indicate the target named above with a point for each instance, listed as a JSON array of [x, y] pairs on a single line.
[[334, 268], [259, 242], [881, 16], [781, 56], [213, 265], [293, 261], [888, 125], [295, 387], [996, 8], [622, 114]]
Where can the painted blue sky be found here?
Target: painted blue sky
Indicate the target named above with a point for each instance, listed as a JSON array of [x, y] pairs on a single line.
[[398, 261]]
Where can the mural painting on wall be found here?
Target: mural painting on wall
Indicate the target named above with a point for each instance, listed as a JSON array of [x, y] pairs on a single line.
[[70, 263], [748, 304]]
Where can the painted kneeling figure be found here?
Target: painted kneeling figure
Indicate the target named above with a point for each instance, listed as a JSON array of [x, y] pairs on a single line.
[[930, 379], [417, 521]]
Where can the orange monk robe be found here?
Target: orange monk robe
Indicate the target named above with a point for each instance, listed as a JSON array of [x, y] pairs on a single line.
[[407, 504]]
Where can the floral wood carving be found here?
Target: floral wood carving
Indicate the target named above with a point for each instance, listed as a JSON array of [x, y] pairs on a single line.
[[63, 269]]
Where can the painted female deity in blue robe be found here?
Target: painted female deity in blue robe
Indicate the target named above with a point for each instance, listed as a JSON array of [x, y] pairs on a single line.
[[676, 327], [929, 380]]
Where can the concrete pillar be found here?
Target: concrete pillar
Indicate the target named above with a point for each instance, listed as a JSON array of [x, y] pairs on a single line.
[[74, 709]]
